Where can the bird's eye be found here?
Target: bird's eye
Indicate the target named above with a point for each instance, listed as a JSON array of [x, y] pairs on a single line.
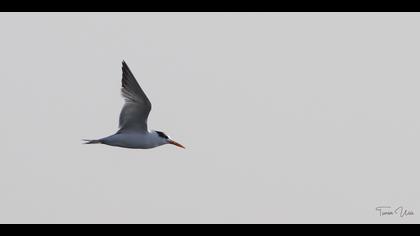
[[162, 135]]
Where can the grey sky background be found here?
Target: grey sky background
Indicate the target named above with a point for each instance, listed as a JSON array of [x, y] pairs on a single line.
[[287, 117]]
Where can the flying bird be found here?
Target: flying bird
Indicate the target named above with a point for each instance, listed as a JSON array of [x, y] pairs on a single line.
[[133, 131]]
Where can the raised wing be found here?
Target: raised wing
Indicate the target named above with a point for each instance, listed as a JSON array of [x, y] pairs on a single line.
[[134, 114]]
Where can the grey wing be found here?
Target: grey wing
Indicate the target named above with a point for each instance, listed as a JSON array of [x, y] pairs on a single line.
[[134, 114]]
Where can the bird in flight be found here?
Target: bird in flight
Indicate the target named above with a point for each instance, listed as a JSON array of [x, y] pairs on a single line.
[[133, 131]]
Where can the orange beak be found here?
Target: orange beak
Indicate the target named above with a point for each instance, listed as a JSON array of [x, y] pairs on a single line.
[[175, 143]]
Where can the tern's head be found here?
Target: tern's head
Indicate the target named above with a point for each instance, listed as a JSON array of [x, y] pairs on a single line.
[[167, 140]]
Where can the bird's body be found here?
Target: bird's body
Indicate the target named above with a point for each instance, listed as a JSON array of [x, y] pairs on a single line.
[[133, 132], [134, 140]]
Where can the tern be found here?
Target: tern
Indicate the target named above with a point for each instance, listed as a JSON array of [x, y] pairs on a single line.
[[133, 131]]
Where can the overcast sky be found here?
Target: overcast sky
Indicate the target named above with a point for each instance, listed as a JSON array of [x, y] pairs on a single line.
[[287, 117]]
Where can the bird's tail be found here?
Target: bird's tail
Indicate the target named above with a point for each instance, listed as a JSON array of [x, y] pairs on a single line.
[[91, 141]]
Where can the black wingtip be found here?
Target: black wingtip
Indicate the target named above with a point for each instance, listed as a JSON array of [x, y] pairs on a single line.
[[125, 66]]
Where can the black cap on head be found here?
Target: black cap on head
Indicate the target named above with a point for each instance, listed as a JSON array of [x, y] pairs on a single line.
[[161, 134]]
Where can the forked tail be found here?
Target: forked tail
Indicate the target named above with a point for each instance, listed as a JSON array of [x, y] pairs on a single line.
[[91, 141]]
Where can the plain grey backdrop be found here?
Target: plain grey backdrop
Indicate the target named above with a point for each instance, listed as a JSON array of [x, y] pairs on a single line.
[[287, 117]]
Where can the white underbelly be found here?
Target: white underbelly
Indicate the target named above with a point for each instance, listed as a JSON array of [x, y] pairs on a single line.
[[141, 141]]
